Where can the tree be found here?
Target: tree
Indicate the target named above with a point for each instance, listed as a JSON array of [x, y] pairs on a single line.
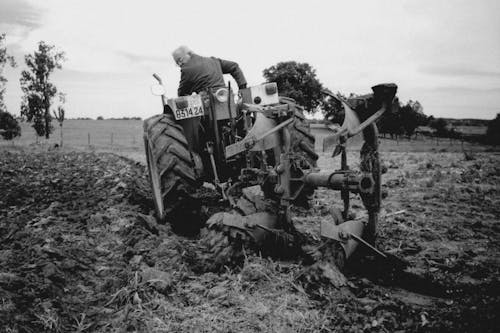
[[493, 132], [297, 81], [333, 110], [402, 118], [60, 115], [412, 116], [5, 59], [9, 127], [440, 125], [416, 106], [409, 119], [391, 123], [100, 118], [37, 88]]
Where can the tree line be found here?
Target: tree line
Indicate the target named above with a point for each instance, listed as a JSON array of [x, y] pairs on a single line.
[[299, 81]]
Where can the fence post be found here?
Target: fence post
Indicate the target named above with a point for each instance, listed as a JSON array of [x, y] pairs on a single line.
[[88, 139], [111, 138]]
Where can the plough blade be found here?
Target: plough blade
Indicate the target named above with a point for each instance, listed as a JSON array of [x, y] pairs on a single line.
[[255, 225], [343, 234]]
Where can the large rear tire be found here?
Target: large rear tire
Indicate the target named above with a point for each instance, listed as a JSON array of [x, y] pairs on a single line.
[[172, 174], [303, 147], [301, 138]]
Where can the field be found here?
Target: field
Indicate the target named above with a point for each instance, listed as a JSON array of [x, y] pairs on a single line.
[[82, 252], [124, 137]]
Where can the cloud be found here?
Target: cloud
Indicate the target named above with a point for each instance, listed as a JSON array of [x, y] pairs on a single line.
[[466, 90], [456, 71], [462, 89], [20, 13], [134, 57]]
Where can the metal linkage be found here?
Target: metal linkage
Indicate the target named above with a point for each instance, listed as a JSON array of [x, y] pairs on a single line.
[[341, 181]]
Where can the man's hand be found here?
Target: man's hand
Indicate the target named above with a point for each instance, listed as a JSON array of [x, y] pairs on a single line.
[[230, 67]]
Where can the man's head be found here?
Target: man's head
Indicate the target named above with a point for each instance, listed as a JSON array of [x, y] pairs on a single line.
[[181, 55]]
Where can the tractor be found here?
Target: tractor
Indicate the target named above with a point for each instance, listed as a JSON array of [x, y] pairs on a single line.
[[254, 149]]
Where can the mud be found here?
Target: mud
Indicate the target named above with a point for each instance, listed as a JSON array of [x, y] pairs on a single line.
[[81, 251]]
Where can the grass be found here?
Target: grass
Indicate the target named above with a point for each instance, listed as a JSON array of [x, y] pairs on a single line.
[[104, 134]]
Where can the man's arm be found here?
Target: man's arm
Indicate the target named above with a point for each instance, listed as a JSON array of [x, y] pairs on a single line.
[[184, 85], [230, 67]]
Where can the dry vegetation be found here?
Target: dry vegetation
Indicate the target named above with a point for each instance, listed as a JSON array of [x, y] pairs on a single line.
[[80, 251]]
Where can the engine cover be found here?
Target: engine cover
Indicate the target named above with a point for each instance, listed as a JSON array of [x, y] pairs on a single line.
[[264, 94]]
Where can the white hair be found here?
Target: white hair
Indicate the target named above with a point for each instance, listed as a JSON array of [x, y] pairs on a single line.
[[182, 51]]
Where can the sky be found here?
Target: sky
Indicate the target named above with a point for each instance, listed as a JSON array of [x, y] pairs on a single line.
[[445, 54]]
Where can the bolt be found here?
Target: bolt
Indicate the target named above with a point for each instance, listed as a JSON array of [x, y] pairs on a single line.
[[250, 143], [279, 189], [280, 169], [343, 235]]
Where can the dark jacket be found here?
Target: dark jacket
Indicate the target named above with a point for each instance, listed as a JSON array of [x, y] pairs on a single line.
[[200, 73]]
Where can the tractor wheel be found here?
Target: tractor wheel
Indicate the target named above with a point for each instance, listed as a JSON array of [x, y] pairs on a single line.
[[303, 145], [302, 139], [302, 142], [172, 174]]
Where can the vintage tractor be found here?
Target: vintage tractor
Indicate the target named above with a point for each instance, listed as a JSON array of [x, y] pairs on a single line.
[[256, 151]]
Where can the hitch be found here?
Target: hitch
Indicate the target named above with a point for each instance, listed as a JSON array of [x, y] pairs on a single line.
[[289, 177]]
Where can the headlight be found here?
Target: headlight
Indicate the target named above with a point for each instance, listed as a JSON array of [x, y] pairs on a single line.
[[222, 95]]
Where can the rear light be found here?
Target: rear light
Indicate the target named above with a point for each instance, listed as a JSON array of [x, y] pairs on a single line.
[[271, 88], [181, 103], [222, 95]]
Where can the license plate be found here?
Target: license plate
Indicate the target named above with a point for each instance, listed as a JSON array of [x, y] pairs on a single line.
[[189, 112], [192, 107]]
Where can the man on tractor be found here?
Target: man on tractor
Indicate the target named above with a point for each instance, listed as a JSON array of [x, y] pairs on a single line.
[[200, 73]]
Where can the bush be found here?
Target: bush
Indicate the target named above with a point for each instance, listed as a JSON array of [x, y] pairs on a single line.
[[9, 127], [440, 125], [493, 132]]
